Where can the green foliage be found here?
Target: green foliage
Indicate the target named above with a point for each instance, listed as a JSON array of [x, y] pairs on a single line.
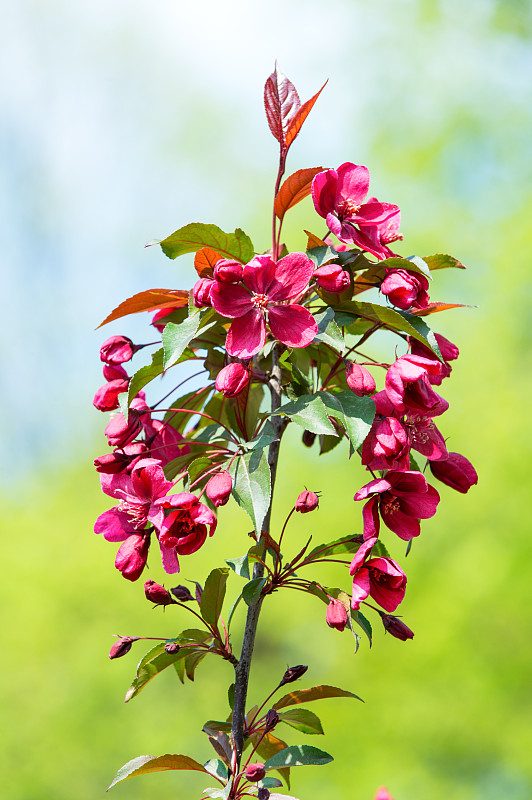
[[297, 756], [142, 765], [314, 693], [252, 485], [302, 720], [213, 595], [193, 237]]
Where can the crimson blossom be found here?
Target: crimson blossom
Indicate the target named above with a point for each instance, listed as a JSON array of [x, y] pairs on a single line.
[[184, 528], [339, 197], [380, 577], [268, 288], [402, 497]]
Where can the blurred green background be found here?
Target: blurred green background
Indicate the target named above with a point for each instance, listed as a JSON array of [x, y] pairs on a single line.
[[126, 120]]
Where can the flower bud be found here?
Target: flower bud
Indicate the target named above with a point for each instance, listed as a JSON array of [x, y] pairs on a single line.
[[219, 487], [182, 594], [202, 292], [157, 594], [172, 648], [396, 627], [307, 501], [255, 772], [121, 431], [114, 372], [336, 615], [359, 379], [158, 318], [117, 349], [308, 438], [456, 472], [271, 720], [122, 646], [232, 379], [111, 463], [383, 794], [405, 289], [228, 271], [293, 673], [332, 278], [263, 793], [106, 398]]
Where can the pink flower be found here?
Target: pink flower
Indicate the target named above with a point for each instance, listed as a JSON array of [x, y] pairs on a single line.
[[106, 398], [269, 289], [117, 349], [339, 197], [232, 379], [121, 431], [359, 379], [405, 289], [167, 442], [332, 278], [402, 497], [448, 350], [184, 528], [336, 615], [383, 794], [127, 522], [387, 445], [408, 388], [380, 577], [218, 488], [425, 437], [376, 238], [455, 471], [122, 459]]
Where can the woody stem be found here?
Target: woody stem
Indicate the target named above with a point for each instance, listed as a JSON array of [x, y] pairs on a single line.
[[242, 669]]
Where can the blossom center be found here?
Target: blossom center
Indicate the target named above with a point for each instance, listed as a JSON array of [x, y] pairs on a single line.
[[348, 208], [182, 526], [387, 237], [260, 301], [377, 575], [137, 512], [391, 505]]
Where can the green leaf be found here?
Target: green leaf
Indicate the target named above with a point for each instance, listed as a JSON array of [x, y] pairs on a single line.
[[442, 261], [413, 263], [144, 375], [198, 466], [342, 545], [217, 725], [217, 768], [314, 693], [309, 412], [179, 464], [322, 255], [177, 337], [213, 595], [265, 438], [251, 591], [252, 485], [142, 765], [379, 550], [302, 720], [354, 413], [196, 235], [328, 330], [396, 320], [192, 661], [363, 622], [240, 566], [297, 756]]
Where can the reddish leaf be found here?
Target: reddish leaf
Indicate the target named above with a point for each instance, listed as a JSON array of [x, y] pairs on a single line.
[[281, 102], [314, 241], [432, 308], [442, 261], [314, 693], [295, 188], [204, 261], [151, 300], [302, 113]]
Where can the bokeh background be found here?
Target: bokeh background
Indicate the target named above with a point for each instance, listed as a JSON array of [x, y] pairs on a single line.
[[123, 120]]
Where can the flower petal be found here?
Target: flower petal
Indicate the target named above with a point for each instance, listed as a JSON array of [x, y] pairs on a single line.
[[324, 191], [292, 276], [169, 559], [246, 335], [259, 274], [404, 526], [115, 525], [361, 587], [353, 183], [230, 300], [292, 325]]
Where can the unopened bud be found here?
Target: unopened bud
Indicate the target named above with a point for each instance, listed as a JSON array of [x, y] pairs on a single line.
[[336, 615], [308, 438], [122, 646], [202, 292], [228, 271], [157, 594], [255, 772], [182, 594], [117, 349], [271, 720], [307, 501], [232, 379], [359, 380], [172, 647], [333, 278], [121, 431], [396, 627], [293, 673], [218, 489], [264, 793]]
